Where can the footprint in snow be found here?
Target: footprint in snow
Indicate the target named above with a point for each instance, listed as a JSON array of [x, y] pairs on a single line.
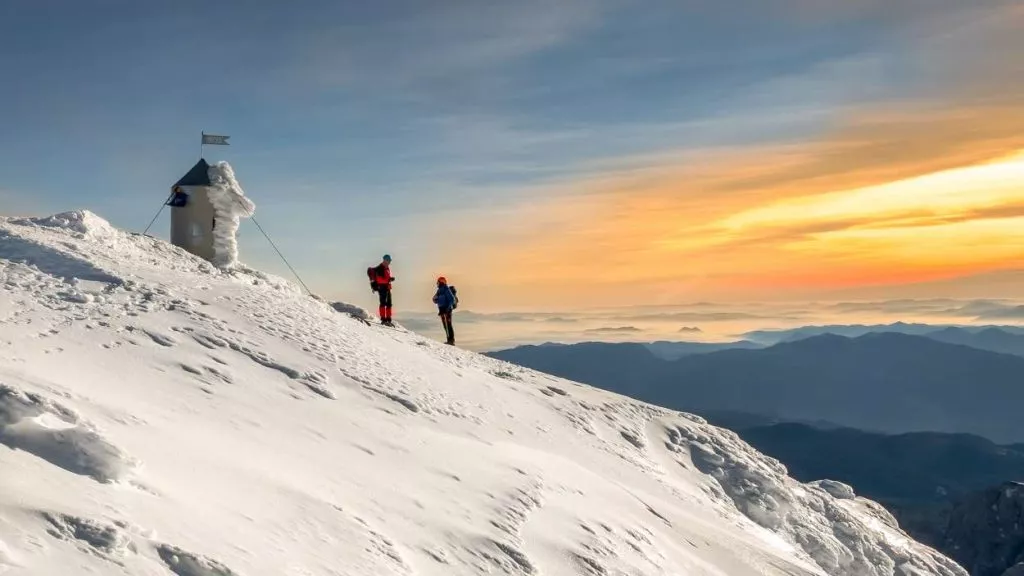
[[160, 339], [220, 374], [191, 369], [318, 382], [438, 554], [588, 566], [104, 540], [208, 373], [408, 404], [208, 340], [552, 391], [385, 547], [512, 559], [264, 360], [632, 438], [185, 563]]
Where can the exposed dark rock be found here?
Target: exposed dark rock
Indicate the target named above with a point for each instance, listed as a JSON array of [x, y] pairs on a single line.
[[986, 532]]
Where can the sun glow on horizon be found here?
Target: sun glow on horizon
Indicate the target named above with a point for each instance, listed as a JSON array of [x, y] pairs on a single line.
[[948, 193], [939, 225], [953, 222]]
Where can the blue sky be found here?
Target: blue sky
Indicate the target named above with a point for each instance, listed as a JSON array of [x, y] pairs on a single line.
[[360, 128]]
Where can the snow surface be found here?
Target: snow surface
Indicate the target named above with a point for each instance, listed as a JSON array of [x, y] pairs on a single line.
[[160, 415], [229, 205]]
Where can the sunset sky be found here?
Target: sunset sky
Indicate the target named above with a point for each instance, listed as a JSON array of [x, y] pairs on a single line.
[[549, 156]]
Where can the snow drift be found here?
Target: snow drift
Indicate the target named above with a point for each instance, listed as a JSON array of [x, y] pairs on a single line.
[[159, 415], [229, 204]]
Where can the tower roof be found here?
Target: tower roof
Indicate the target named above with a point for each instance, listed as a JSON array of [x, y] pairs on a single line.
[[197, 176]]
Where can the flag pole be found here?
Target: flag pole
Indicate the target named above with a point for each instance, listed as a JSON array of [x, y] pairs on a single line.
[[202, 140]]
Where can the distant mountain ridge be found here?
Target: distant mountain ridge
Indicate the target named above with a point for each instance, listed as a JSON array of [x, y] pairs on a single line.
[[675, 350], [990, 338], [771, 337], [1006, 339], [917, 466], [880, 381], [604, 365]]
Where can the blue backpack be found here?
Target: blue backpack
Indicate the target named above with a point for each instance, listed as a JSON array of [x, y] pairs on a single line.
[[455, 297]]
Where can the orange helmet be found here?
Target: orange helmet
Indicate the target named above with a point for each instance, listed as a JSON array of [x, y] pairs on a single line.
[[442, 280]]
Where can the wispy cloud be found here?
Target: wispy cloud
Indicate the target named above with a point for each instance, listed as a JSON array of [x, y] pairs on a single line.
[[908, 306], [614, 330], [705, 316], [902, 189], [419, 48], [989, 310], [561, 320]]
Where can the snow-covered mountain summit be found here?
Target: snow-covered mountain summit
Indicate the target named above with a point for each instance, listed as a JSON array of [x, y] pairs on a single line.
[[159, 415]]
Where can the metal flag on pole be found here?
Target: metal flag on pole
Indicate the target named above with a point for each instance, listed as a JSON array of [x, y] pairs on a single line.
[[215, 140]]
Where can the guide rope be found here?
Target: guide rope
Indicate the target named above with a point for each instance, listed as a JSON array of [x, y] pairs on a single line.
[[262, 231]]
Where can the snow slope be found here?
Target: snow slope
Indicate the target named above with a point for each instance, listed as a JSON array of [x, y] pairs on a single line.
[[161, 416]]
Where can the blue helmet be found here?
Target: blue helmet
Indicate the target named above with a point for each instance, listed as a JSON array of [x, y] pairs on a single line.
[[387, 257]]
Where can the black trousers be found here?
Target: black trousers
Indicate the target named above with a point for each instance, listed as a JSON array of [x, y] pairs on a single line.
[[446, 321], [385, 303]]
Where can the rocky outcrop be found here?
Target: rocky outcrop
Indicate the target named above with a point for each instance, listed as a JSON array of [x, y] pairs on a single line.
[[1017, 570], [986, 532]]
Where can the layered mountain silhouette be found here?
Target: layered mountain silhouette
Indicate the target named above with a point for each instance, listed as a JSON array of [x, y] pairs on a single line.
[[880, 381], [1008, 339], [675, 350], [993, 339], [914, 467], [605, 365], [769, 337]]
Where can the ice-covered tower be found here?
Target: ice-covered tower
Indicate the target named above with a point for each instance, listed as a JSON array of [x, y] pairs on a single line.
[[206, 204]]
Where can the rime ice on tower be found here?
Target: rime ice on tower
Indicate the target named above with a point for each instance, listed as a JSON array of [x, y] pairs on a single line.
[[206, 204]]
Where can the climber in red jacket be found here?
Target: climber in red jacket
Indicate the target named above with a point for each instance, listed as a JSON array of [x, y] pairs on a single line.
[[380, 282]]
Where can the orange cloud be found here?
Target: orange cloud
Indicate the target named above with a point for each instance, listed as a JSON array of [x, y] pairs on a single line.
[[919, 190], [832, 213]]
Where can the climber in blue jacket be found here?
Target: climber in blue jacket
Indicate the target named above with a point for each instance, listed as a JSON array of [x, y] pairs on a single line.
[[447, 300]]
